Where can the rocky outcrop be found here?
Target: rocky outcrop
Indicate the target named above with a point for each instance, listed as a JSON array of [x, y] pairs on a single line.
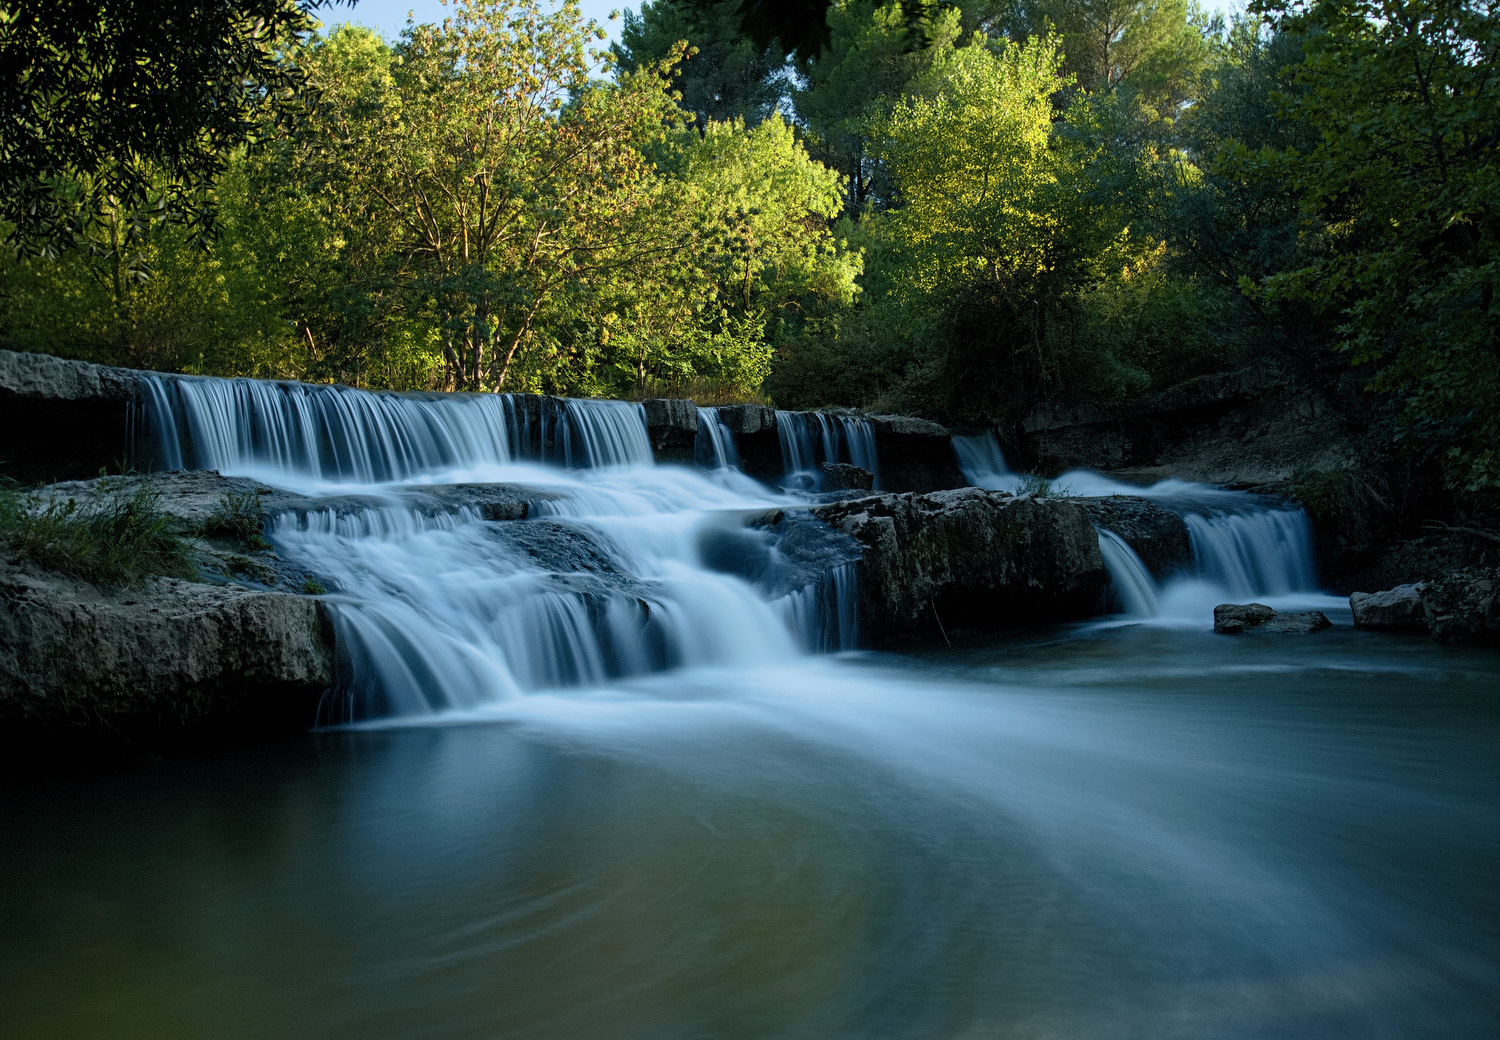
[[968, 558], [672, 427], [1394, 610], [915, 455], [60, 419], [1235, 618], [842, 476], [1463, 607], [169, 655], [740, 419], [1158, 535]]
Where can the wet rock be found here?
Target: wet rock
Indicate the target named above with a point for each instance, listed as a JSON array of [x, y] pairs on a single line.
[[169, 654], [1158, 535], [1395, 610], [968, 557], [672, 426], [842, 476], [60, 419], [1463, 607], [915, 455], [747, 418], [1234, 618]]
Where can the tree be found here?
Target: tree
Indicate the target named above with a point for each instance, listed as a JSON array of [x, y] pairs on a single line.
[[107, 104], [725, 76], [1400, 188]]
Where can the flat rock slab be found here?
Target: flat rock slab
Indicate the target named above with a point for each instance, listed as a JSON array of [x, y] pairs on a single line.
[[1235, 618]]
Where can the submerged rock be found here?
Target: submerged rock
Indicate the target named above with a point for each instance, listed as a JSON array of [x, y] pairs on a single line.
[[1394, 610], [1463, 607], [968, 557], [169, 654], [1234, 618]]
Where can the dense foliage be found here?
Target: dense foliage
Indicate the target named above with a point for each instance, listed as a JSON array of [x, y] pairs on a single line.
[[972, 209]]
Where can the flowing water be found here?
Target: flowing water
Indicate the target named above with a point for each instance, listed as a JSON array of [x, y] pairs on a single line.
[[617, 796]]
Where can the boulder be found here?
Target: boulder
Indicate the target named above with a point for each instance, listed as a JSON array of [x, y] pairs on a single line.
[[1158, 535], [1234, 618], [1463, 607], [915, 455], [842, 476], [60, 419], [1394, 610], [168, 655], [747, 418], [672, 426], [967, 557]]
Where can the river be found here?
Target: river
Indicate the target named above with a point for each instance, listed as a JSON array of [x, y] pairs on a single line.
[[1125, 827]]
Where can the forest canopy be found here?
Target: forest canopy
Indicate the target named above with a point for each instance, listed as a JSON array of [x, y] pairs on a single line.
[[971, 210]]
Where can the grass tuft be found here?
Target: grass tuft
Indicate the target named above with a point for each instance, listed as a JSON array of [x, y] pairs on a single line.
[[110, 538]]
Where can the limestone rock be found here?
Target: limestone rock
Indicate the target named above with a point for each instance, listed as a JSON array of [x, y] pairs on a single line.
[[1464, 607], [968, 557], [747, 418], [1234, 618], [172, 653], [841, 476], [672, 426], [915, 455], [1158, 535], [61, 419], [1395, 610]]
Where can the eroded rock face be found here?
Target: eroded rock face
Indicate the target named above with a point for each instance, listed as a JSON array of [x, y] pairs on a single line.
[[172, 653], [1394, 610], [842, 476], [672, 426], [915, 455], [968, 557], [1235, 618], [1464, 607], [60, 419], [747, 418], [1158, 536]]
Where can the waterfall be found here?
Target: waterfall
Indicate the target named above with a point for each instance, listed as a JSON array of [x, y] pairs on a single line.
[[859, 435], [714, 448], [339, 435], [1130, 582], [982, 461], [1265, 552], [798, 458], [824, 615]]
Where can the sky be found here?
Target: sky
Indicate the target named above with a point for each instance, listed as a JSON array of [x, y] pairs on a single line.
[[389, 16]]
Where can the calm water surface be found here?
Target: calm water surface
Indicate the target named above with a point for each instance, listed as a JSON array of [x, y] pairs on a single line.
[[1088, 832]]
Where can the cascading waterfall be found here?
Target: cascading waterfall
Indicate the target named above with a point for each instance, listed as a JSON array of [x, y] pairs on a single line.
[[810, 438], [982, 461], [335, 434], [798, 458], [714, 448], [438, 609], [1259, 553], [859, 435], [1130, 581]]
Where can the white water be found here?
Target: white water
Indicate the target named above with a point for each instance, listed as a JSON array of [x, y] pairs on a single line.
[[809, 439], [1131, 582], [715, 448], [983, 463], [644, 569]]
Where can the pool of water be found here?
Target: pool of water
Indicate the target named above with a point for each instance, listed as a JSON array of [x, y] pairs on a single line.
[[1092, 831]]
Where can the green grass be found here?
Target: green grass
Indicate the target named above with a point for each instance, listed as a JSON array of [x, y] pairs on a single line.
[[113, 537], [240, 517]]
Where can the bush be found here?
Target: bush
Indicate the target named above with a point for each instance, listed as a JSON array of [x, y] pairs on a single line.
[[113, 537], [239, 516]]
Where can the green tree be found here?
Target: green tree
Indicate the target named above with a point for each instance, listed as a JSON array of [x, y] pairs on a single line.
[[1400, 190], [725, 75]]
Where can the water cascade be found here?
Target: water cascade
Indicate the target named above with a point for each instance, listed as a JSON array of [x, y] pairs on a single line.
[[714, 448], [810, 438], [1130, 582], [982, 461]]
